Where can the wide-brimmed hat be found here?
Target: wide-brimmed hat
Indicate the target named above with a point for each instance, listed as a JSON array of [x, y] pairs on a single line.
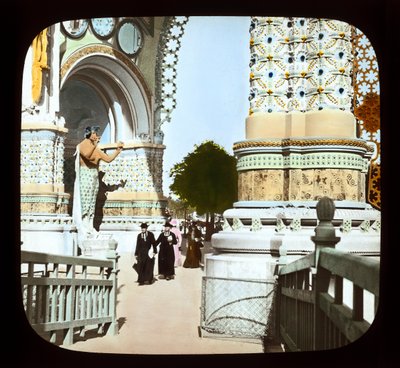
[[144, 225]]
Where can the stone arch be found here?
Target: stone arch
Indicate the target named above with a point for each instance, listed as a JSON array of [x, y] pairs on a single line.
[[115, 85], [99, 86]]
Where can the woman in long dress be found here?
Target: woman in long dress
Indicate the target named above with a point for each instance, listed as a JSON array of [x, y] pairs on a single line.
[[177, 246], [166, 255], [193, 252]]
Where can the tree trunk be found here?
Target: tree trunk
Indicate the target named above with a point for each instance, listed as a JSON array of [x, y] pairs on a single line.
[[209, 225]]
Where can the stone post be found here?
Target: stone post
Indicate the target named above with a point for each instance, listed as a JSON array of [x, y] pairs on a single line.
[[325, 231]]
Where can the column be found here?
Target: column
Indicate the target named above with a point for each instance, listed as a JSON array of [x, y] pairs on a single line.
[[301, 139]]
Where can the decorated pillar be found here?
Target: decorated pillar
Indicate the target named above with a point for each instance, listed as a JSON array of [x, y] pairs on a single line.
[[301, 144], [44, 215], [43, 132], [301, 141]]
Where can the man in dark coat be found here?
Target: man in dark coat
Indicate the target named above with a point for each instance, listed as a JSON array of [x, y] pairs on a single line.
[[144, 253], [166, 255]]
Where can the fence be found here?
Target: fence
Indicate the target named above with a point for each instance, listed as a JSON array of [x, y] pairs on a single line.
[[315, 310], [64, 294], [244, 307]]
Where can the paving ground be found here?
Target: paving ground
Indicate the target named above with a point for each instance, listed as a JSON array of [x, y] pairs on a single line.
[[162, 318]]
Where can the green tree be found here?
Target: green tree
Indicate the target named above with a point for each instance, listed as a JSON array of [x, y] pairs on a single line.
[[206, 179], [179, 209]]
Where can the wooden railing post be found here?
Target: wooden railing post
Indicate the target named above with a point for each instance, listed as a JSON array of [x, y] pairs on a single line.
[[112, 254], [324, 237], [325, 231], [70, 306]]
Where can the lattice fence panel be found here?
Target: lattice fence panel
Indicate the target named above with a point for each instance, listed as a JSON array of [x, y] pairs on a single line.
[[237, 307]]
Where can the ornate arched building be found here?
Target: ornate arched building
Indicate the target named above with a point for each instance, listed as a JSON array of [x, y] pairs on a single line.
[[117, 73]]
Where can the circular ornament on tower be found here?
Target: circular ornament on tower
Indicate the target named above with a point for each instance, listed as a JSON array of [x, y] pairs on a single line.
[[75, 28], [103, 27], [129, 37]]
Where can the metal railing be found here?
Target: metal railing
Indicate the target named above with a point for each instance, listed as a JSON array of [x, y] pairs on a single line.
[[316, 309], [65, 294]]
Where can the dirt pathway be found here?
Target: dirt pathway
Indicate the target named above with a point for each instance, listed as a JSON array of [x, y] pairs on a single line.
[[162, 318]]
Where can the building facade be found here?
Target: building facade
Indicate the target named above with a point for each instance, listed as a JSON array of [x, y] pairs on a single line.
[[116, 73]]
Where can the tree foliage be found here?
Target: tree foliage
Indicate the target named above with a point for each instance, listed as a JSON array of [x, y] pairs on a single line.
[[178, 208], [206, 179]]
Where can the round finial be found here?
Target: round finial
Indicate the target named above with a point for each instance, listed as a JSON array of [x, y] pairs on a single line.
[[112, 244], [325, 209]]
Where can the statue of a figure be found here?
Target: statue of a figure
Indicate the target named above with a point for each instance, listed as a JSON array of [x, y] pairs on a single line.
[[86, 186]]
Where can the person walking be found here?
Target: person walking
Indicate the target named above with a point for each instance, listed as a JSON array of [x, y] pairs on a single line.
[[145, 252], [178, 245], [86, 185], [166, 254], [194, 245]]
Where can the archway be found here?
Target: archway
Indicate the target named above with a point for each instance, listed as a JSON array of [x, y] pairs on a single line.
[[99, 87]]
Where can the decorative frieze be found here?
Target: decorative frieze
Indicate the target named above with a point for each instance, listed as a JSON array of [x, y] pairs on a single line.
[[134, 208], [44, 221], [300, 185], [134, 211], [302, 161], [134, 204], [304, 142], [292, 220], [51, 204]]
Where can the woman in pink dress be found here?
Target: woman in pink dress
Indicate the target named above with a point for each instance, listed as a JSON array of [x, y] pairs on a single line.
[[177, 247]]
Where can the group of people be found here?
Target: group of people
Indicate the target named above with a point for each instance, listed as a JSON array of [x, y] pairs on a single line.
[[167, 245], [168, 249]]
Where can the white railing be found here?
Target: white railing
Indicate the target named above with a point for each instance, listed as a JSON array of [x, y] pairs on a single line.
[[66, 294]]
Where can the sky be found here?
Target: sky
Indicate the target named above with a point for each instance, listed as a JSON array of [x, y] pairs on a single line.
[[212, 88]]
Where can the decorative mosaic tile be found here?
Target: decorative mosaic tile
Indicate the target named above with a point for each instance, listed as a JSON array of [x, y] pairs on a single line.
[[300, 64], [280, 225], [365, 226], [256, 224], [295, 225], [376, 226], [226, 225], [237, 224], [346, 225]]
